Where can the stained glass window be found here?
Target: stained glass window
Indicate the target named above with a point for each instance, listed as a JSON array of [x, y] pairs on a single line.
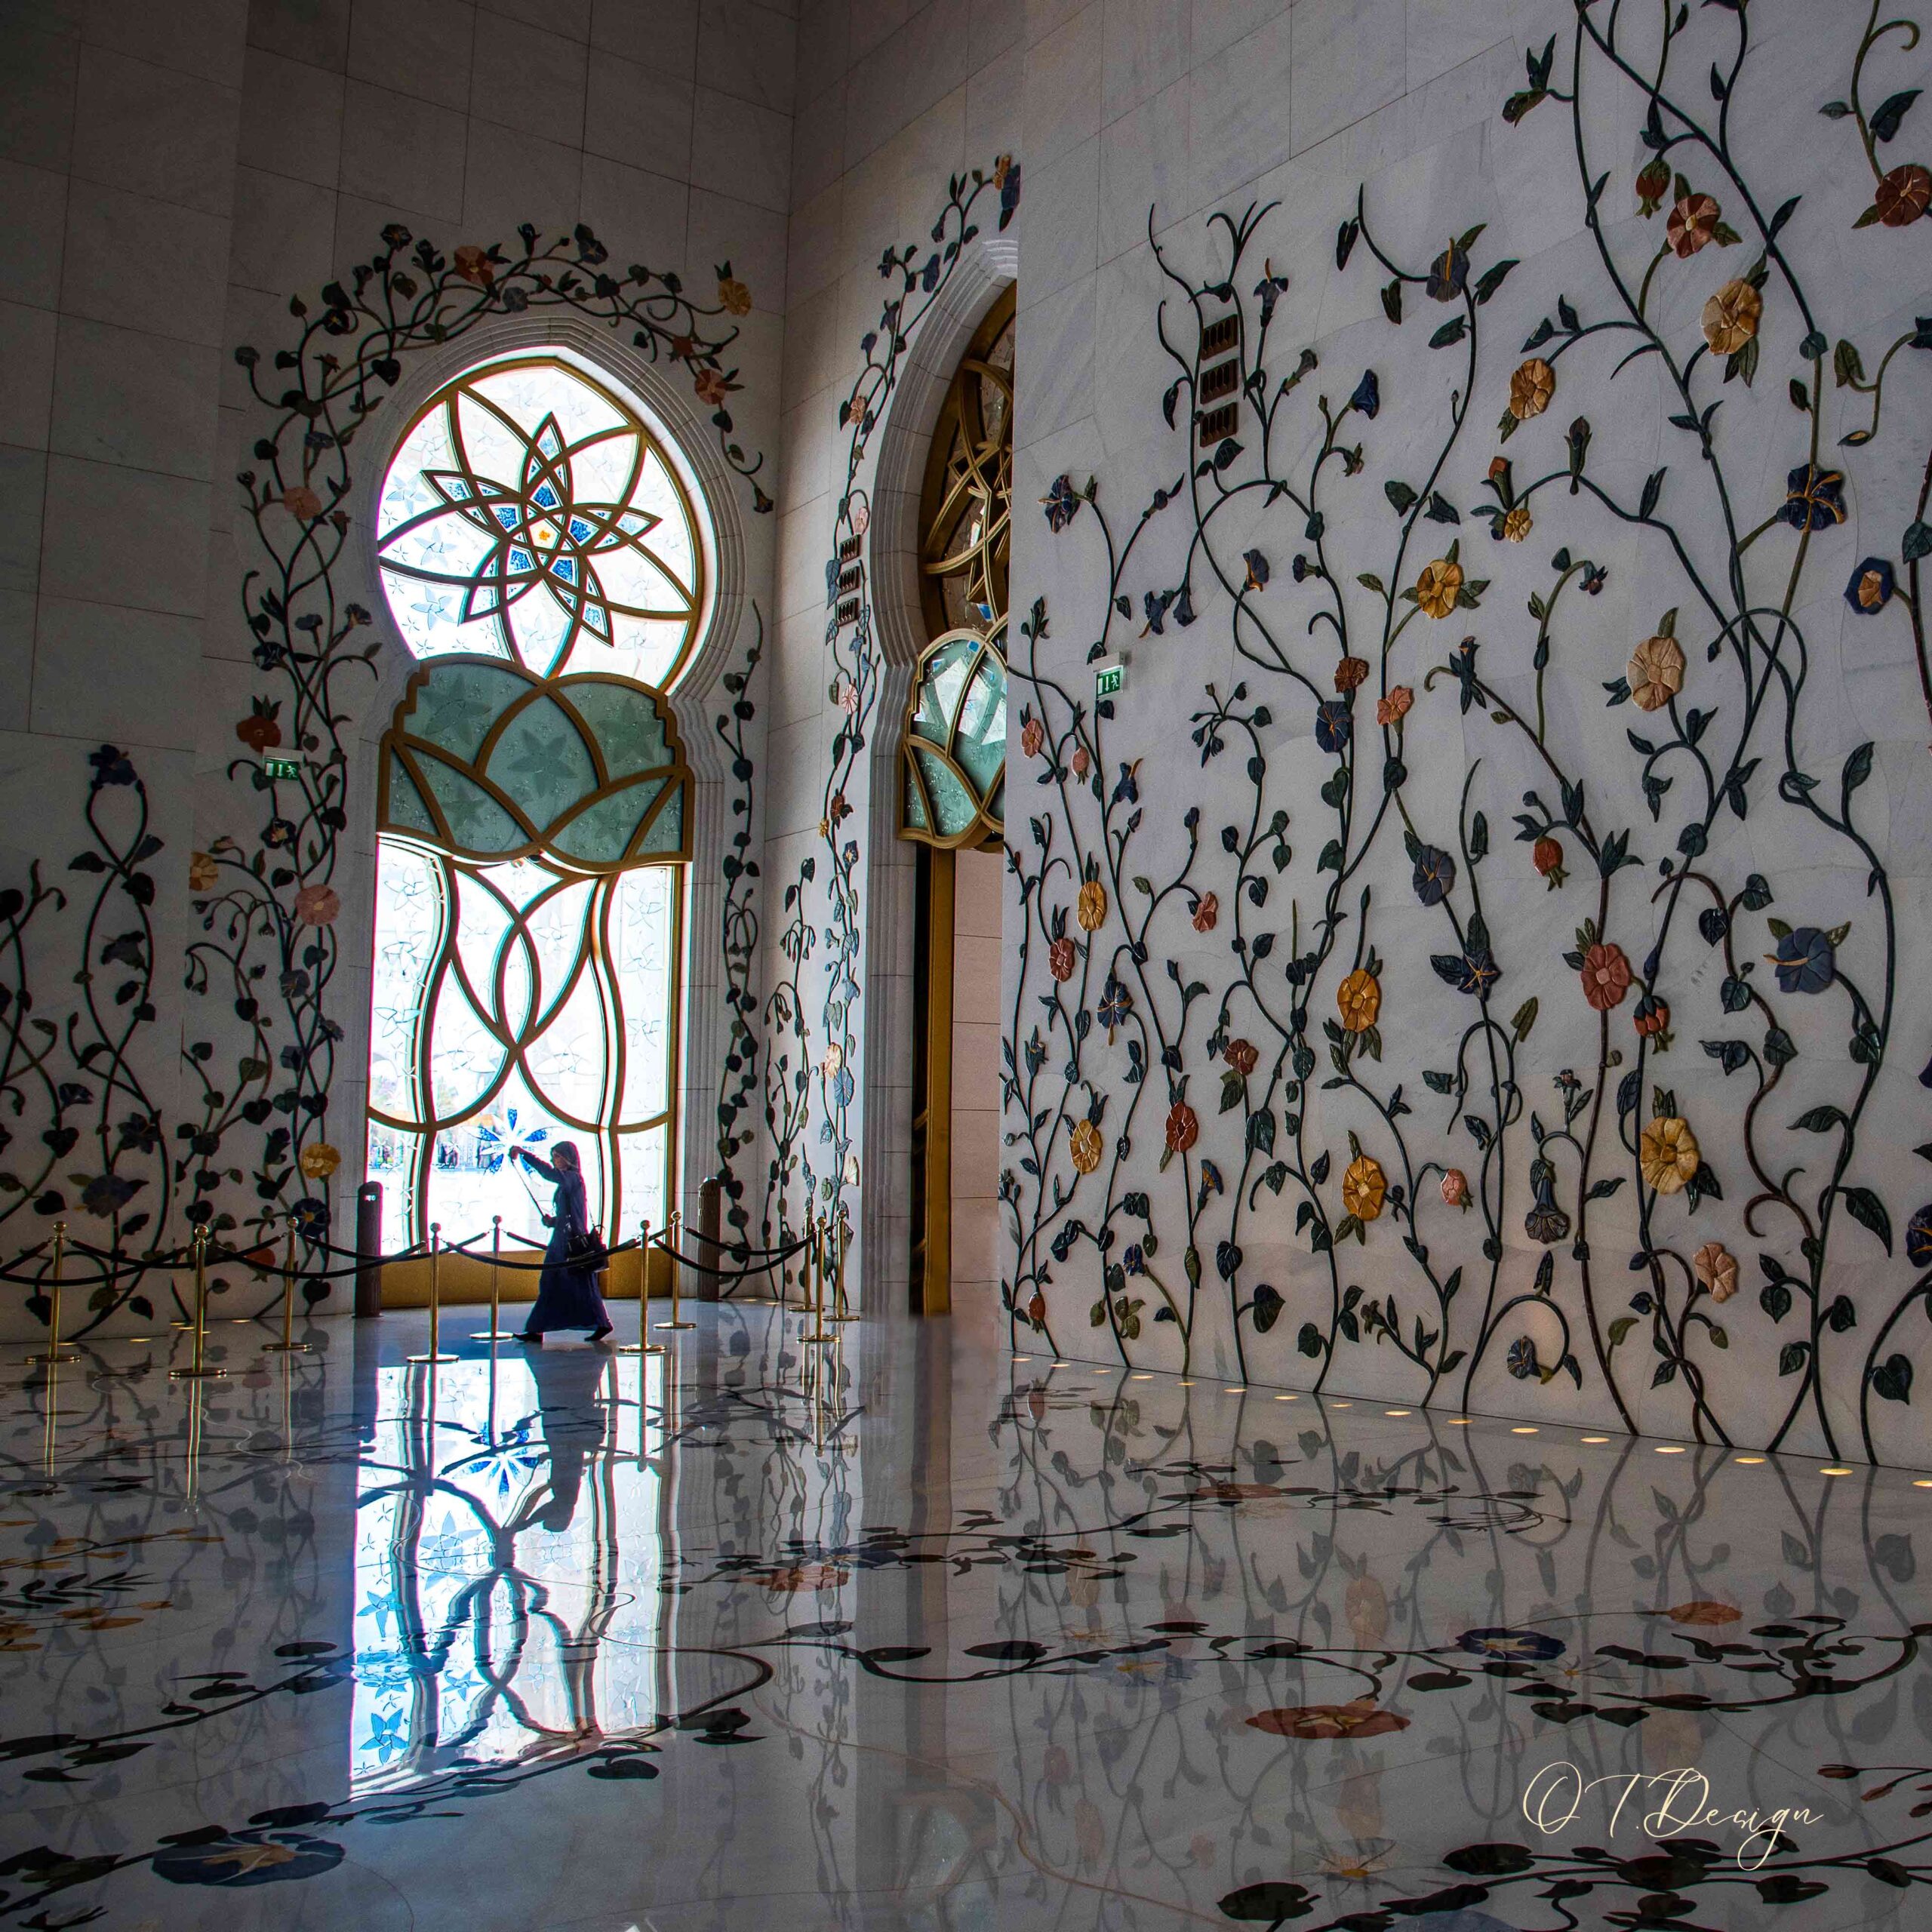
[[953, 745], [541, 555]]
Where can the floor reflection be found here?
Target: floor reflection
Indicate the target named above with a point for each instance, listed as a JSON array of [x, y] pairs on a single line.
[[898, 1633]]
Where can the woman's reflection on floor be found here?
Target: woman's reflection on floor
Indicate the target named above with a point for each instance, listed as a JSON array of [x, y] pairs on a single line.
[[571, 1384]]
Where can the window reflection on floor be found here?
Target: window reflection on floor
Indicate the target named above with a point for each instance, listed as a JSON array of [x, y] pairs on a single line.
[[508, 1554]]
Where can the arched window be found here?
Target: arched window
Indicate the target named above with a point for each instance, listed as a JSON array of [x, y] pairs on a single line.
[[543, 558]]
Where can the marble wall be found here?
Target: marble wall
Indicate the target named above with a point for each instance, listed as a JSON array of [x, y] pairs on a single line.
[[172, 177], [1691, 1247]]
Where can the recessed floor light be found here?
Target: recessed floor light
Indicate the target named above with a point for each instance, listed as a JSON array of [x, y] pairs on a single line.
[[1140, 1375], [1063, 1364], [1834, 1469], [1747, 1459], [1596, 1438], [1670, 1448], [1459, 1422], [1397, 1412], [1187, 1382], [1022, 1357], [1522, 1432], [1341, 1405], [1292, 1398], [1235, 1389], [1922, 1482]]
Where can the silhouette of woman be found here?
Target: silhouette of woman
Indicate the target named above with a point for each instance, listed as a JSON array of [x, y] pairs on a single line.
[[567, 1297]]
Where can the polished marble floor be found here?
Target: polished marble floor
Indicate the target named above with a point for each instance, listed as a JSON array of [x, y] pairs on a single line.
[[901, 1633]]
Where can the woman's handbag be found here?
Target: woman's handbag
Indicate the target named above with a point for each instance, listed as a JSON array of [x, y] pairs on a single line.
[[585, 1250]]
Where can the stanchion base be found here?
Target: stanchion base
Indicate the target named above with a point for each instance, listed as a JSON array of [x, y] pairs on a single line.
[[287, 1348], [431, 1360], [195, 1374], [47, 1357], [818, 1340], [842, 1317], [661, 1326], [637, 1348], [494, 1335]]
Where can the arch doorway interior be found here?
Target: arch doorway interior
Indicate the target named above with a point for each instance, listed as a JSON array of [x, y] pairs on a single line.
[[952, 773]]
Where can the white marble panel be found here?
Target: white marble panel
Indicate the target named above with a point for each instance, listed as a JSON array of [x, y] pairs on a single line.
[[406, 152], [423, 48], [1063, 87]]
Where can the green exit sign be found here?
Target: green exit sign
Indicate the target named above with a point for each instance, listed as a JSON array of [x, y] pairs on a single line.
[[281, 767], [1109, 680]]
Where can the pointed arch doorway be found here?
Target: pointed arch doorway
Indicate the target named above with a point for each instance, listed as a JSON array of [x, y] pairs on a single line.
[[953, 772]]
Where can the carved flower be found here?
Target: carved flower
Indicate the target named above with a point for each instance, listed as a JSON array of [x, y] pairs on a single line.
[[1060, 958], [1653, 184], [259, 731], [1731, 317], [1333, 727], [1206, 910], [278, 832], [1085, 1146], [1814, 498], [1667, 1153], [733, 297], [1655, 673], [474, 265], [1806, 961], [1652, 1017], [1717, 1268], [1516, 1646], [1394, 707], [1692, 223], [1547, 855], [1080, 761], [1358, 1718], [318, 904], [1090, 909], [1904, 195], [1872, 588], [1606, 977], [1359, 998], [299, 500], [320, 1161], [1435, 877], [1919, 1238], [1183, 1127], [1116, 1003], [1706, 1610], [1349, 671], [1032, 736], [1241, 1056], [1456, 1189], [1517, 524], [1363, 1185], [1531, 389], [712, 387], [203, 872], [1437, 587], [1036, 1308]]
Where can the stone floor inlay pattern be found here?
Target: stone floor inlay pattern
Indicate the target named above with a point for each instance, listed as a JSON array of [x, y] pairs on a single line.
[[901, 1633]]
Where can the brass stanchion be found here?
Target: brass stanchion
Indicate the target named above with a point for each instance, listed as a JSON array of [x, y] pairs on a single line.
[[815, 1258], [495, 1333], [288, 1345], [436, 1354], [199, 1369], [671, 1228], [54, 1352], [841, 1240], [643, 1346]]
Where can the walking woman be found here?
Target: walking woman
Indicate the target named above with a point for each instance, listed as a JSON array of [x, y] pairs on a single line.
[[566, 1296]]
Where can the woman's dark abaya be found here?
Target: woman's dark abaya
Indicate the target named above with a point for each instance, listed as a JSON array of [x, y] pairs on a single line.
[[567, 1297]]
